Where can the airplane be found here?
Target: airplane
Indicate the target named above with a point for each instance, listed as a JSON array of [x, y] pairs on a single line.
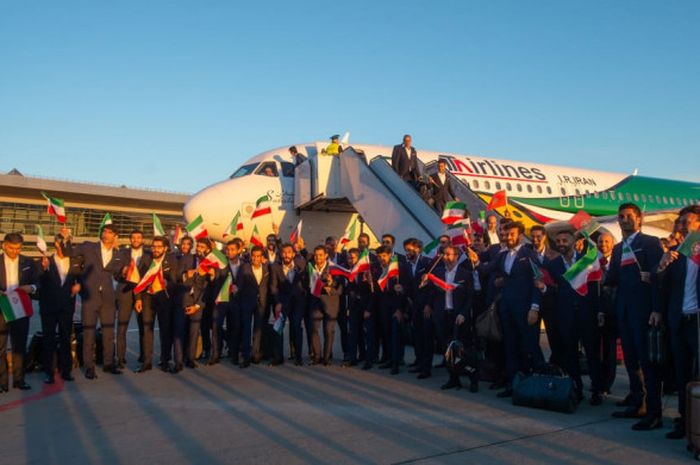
[[537, 193]]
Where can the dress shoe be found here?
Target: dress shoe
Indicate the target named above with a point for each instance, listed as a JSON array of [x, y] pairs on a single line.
[[440, 365], [298, 363], [394, 370], [213, 361], [144, 368], [385, 366], [164, 366], [497, 385], [414, 364], [111, 370], [256, 360], [473, 385], [234, 361], [49, 379], [346, 364], [190, 364], [21, 385], [245, 363], [678, 431], [121, 364], [3, 388], [423, 375], [629, 412], [90, 373], [628, 401], [596, 399], [275, 363], [451, 384], [648, 423], [415, 369], [328, 362], [367, 366], [507, 392], [67, 377], [177, 368]]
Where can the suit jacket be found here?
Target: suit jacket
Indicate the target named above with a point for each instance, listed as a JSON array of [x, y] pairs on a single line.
[[405, 165], [55, 297], [672, 291], [125, 286], [172, 277], [27, 273], [567, 299], [461, 295], [253, 296], [285, 293], [442, 193], [96, 280], [632, 294], [418, 296], [329, 301], [518, 291], [390, 300]]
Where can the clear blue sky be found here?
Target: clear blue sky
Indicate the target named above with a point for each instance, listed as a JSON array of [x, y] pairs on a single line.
[[177, 94]]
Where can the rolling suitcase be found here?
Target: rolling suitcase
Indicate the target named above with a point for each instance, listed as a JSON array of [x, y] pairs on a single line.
[[692, 406]]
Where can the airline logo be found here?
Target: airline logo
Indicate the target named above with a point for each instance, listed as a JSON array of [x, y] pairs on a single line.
[[483, 168]]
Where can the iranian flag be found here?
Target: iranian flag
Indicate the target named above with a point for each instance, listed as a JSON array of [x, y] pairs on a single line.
[[391, 271], [234, 226], [585, 270], [454, 211], [315, 281], [628, 257], [262, 207], [498, 200], [278, 323], [255, 239], [215, 259], [40, 240], [431, 248], [153, 280], [132, 273], [444, 285], [177, 235], [459, 236], [296, 234], [15, 304], [157, 226], [541, 273], [107, 219], [336, 270], [227, 288], [55, 207], [349, 235], [691, 247], [363, 264], [196, 228]]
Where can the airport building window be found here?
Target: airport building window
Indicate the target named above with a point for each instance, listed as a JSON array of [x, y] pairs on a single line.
[[244, 170]]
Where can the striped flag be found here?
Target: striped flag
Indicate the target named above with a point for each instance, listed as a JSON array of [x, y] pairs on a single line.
[[541, 273], [196, 228], [215, 259], [628, 257], [498, 200], [55, 207], [262, 207], [585, 270], [391, 271], [15, 304], [691, 247], [234, 226], [157, 226], [336, 270], [315, 280], [132, 273], [459, 236], [444, 285], [40, 240], [431, 248], [454, 211], [363, 264], [227, 288], [153, 280], [178, 234], [349, 235], [255, 239], [107, 219], [296, 234]]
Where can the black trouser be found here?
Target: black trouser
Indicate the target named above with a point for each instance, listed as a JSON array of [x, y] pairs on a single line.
[[146, 320], [548, 312], [92, 310], [164, 310], [343, 326], [321, 316], [259, 320], [56, 328], [608, 353], [231, 312], [276, 341], [125, 303], [205, 326], [18, 331], [684, 346]]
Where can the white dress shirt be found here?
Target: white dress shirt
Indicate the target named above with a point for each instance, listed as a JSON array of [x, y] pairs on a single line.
[[136, 255], [11, 272], [510, 258], [690, 291], [63, 266], [289, 272], [442, 177], [258, 273], [449, 279], [106, 254]]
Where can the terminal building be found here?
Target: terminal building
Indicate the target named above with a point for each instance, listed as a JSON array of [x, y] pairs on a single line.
[[22, 207]]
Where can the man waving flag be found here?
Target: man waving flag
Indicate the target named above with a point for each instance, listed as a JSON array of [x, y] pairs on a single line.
[[234, 226], [196, 228], [262, 207], [454, 211], [55, 207]]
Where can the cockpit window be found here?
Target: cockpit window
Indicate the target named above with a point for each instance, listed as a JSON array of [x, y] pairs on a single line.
[[287, 169], [268, 168], [244, 170]]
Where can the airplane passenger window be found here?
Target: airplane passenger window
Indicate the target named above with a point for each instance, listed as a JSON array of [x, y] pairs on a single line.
[[509, 186], [287, 169], [605, 195], [658, 199], [619, 196], [268, 168], [563, 191], [636, 197], [578, 192], [244, 170], [665, 199], [529, 188], [549, 190], [498, 186], [539, 189], [487, 185], [476, 184], [628, 196], [644, 198], [520, 188], [670, 199]]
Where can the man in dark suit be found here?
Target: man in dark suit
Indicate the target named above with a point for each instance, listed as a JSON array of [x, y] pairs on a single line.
[[404, 160], [391, 303], [229, 310], [417, 265], [154, 302], [577, 317], [441, 186], [288, 291], [607, 319], [16, 272], [323, 307], [637, 305], [679, 279], [259, 282], [125, 295], [271, 250], [59, 286], [519, 304], [360, 294], [103, 262]]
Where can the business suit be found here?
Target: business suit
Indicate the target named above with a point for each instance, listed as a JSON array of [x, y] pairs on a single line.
[[682, 326], [389, 301], [56, 307], [405, 163], [607, 334], [634, 302], [292, 294], [324, 310], [186, 328], [159, 305], [229, 311], [441, 192], [417, 300], [125, 304], [577, 320], [18, 330], [548, 312], [98, 298], [341, 258], [360, 300]]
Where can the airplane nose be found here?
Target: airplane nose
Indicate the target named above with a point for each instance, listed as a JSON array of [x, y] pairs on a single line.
[[197, 204]]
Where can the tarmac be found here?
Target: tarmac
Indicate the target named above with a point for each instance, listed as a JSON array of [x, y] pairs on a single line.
[[308, 415]]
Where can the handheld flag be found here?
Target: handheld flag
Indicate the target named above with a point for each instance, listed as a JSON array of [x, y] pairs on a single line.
[[215, 259], [585, 270], [315, 281], [584, 223], [459, 236], [55, 207], [498, 200], [15, 304], [234, 226], [107, 219], [431, 248], [296, 234], [278, 324], [349, 235], [178, 234], [541, 273], [262, 207], [444, 285], [153, 280], [40, 240], [391, 271], [132, 273], [157, 226], [336, 270], [361, 266], [227, 288], [196, 228], [255, 239], [453, 212], [691, 247], [628, 257]]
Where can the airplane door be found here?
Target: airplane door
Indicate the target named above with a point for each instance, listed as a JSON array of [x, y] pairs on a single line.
[[564, 201], [578, 201]]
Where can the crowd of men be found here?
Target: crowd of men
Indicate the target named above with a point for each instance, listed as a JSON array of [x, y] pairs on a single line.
[[240, 308]]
